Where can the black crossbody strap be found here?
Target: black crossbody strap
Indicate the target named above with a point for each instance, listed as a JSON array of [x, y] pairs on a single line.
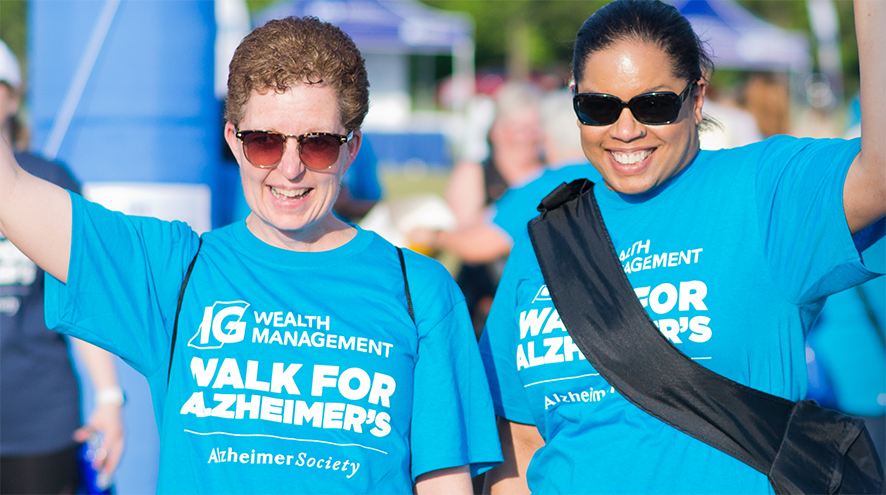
[[178, 309], [406, 283], [606, 321]]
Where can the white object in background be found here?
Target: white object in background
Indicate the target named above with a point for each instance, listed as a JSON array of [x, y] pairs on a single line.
[[393, 220], [189, 203]]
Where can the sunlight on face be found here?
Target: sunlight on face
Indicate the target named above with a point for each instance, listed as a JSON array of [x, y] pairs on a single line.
[[633, 157], [290, 202]]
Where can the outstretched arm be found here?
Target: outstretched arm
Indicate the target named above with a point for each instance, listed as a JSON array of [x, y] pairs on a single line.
[[478, 243], [35, 215], [465, 193], [864, 193]]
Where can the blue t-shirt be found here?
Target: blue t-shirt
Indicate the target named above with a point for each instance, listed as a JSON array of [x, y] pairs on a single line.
[[39, 393], [519, 205], [293, 372], [361, 178], [733, 259]]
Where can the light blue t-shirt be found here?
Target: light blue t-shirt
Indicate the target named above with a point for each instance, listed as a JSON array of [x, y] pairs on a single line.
[[294, 372], [732, 259], [519, 205]]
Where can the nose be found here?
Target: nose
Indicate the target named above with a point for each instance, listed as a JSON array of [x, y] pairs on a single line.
[[626, 128], [290, 166]]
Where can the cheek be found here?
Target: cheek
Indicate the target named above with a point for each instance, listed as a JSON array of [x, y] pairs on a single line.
[[591, 139], [251, 177]]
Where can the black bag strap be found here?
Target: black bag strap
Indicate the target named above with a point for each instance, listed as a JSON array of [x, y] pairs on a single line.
[[406, 283], [606, 321], [181, 295]]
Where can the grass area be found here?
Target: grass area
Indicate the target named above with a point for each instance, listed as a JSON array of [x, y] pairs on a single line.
[[400, 183]]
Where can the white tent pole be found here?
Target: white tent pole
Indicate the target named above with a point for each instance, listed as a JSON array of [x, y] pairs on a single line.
[[81, 76]]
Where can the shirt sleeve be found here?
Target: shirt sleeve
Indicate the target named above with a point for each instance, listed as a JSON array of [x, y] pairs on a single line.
[[362, 176], [498, 344], [452, 420], [123, 280], [799, 184]]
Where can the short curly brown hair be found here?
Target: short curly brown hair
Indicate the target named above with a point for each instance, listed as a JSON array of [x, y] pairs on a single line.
[[299, 50]]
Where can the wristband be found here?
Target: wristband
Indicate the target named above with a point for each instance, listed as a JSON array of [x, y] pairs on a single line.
[[110, 395]]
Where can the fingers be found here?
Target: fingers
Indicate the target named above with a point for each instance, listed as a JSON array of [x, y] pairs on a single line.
[[106, 421]]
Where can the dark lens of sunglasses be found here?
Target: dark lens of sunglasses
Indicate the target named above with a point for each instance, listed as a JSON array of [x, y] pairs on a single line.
[[604, 110], [319, 152], [656, 109], [597, 110], [263, 149]]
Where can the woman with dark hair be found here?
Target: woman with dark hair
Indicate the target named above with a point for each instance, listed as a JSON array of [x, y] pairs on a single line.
[[731, 252], [285, 353]]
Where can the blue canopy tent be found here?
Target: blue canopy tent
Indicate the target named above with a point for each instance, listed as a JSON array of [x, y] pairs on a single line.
[[400, 26], [740, 40], [387, 32]]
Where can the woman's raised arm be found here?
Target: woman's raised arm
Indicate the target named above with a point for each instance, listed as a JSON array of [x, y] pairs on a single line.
[[35, 215], [864, 193]]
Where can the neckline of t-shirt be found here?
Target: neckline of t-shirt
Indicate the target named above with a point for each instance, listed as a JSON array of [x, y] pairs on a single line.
[[261, 249], [611, 199]]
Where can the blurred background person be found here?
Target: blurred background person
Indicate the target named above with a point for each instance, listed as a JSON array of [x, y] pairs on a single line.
[[767, 97], [731, 126], [516, 153], [516, 150], [485, 244], [360, 189], [40, 413]]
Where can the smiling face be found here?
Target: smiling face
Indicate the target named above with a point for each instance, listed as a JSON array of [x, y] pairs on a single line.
[[632, 157], [291, 203]]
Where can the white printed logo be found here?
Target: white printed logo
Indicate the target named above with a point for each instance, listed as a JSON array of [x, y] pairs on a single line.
[[218, 320], [542, 294]]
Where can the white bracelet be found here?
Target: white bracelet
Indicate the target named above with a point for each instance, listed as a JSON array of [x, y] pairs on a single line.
[[110, 395]]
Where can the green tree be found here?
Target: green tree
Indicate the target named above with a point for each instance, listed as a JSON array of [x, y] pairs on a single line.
[[520, 36], [13, 29], [523, 36]]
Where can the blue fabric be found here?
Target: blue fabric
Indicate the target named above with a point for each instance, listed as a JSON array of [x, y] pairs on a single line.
[[733, 259], [519, 205], [362, 176], [294, 372], [40, 401], [847, 355]]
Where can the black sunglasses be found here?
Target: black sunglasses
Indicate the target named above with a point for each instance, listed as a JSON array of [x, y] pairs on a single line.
[[657, 108], [317, 150]]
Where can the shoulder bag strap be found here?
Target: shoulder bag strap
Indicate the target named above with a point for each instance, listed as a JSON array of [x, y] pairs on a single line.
[[406, 283], [181, 295], [606, 321]]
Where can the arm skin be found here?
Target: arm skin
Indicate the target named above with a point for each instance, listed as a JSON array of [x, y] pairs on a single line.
[[451, 481], [518, 444], [106, 418], [465, 193], [35, 215], [349, 206], [864, 192], [478, 243]]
